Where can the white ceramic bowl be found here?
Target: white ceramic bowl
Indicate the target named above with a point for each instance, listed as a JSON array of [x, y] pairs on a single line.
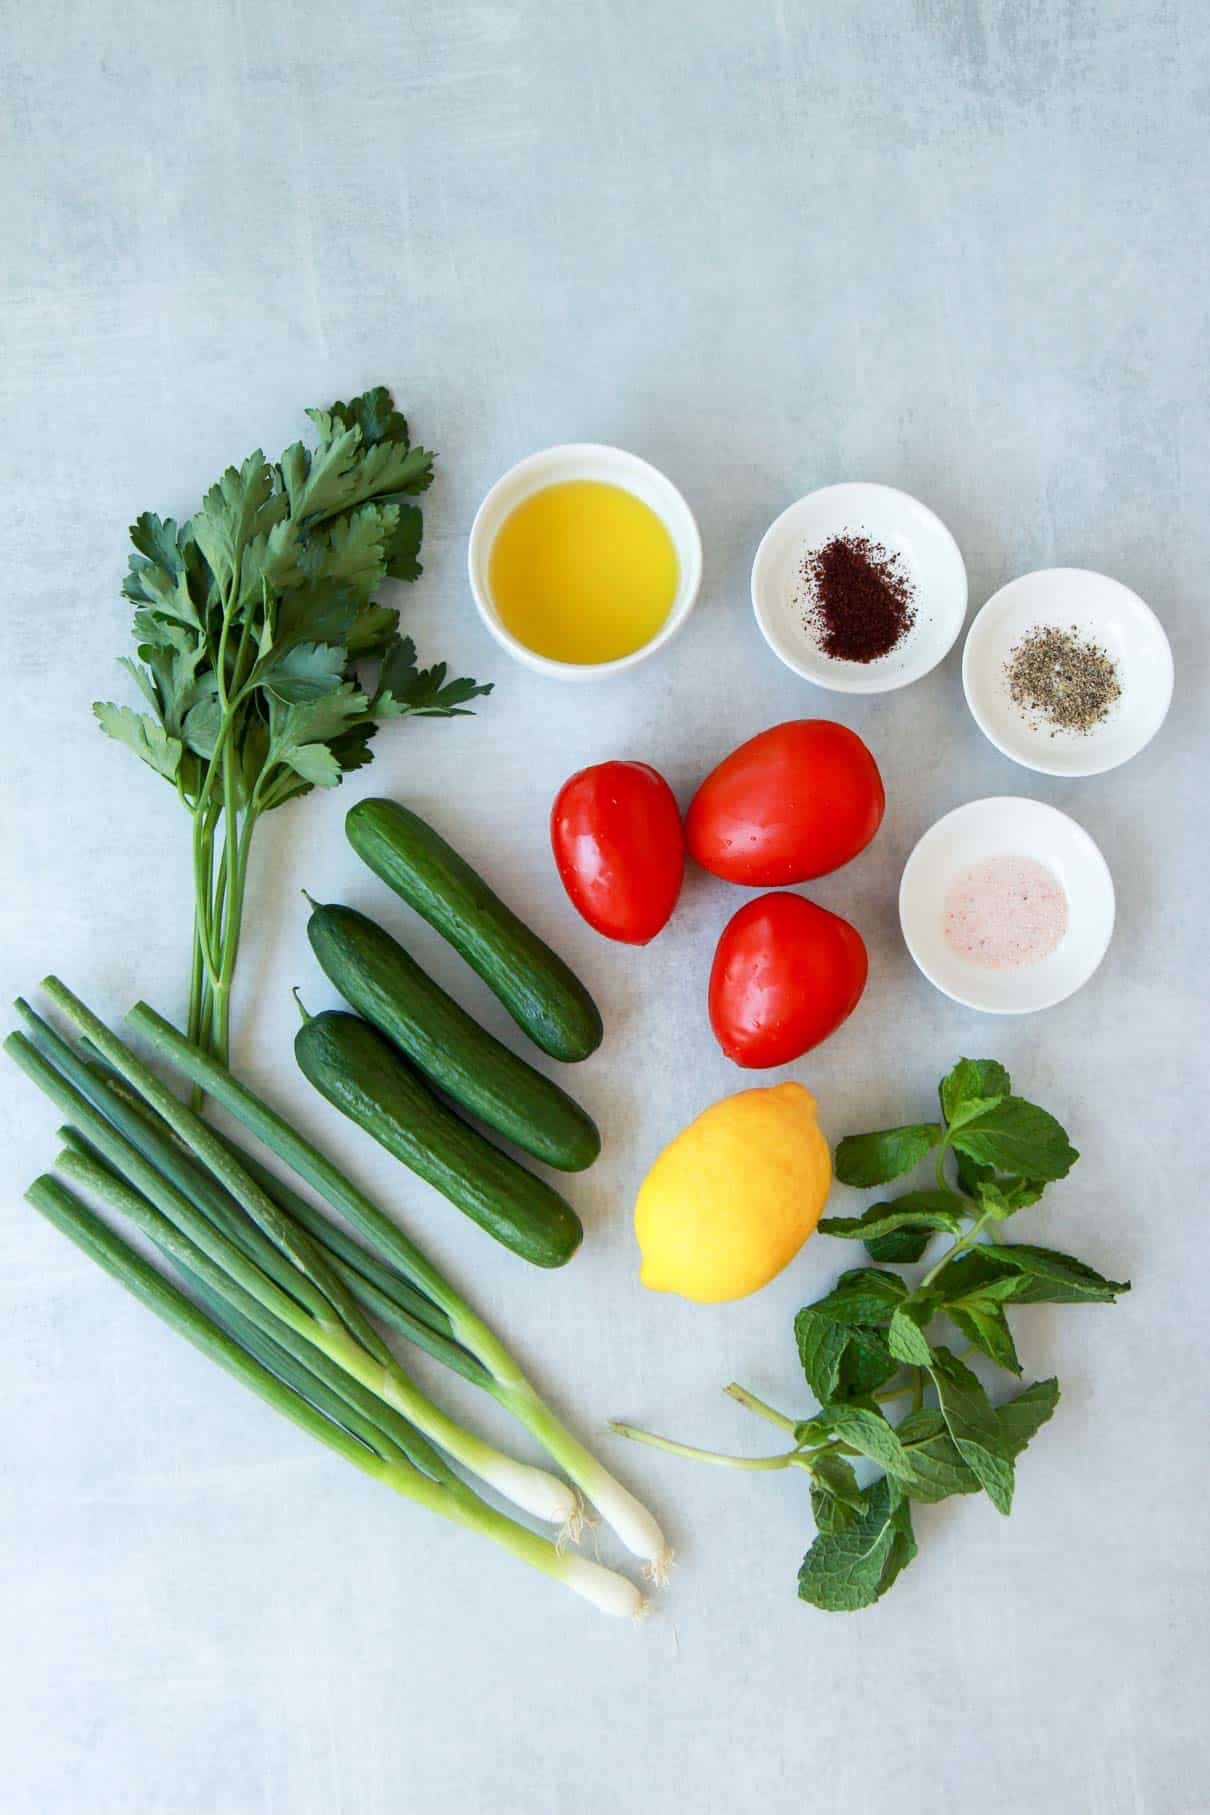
[[1099, 610], [1007, 826], [585, 460], [927, 553]]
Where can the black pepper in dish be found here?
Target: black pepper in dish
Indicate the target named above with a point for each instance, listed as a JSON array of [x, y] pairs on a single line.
[[1057, 678], [860, 603]]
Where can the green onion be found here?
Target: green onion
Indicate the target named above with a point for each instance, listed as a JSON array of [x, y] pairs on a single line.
[[233, 1275], [454, 1501], [632, 1522]]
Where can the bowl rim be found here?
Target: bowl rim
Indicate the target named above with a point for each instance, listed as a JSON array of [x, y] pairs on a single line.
[[545, 464], [1082, 836], [1039, 765], [868, 682]]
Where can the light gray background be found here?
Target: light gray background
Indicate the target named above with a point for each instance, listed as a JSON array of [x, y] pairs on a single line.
[[957, 247]]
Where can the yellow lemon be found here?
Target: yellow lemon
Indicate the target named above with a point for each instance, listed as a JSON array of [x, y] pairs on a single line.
[[735, 1196]]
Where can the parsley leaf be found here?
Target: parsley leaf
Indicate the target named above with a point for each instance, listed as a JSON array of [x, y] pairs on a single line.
[[265, 658], [143, 735]]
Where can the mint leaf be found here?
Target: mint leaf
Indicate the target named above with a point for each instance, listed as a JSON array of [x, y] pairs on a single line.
[[972, 1080], [142, 734], [900, 1229], [906, 1339], [1044, 1276], [851, 1568], [971, 1175], [875, 1159], [937, 1467], [821, 1344], [1018, 1137], [839, 1342], [867, 1363], [863, 1295], [836, 1498], [867, 1430], [1005, 1196], [1021, 1417], [971, 1423], [903, 1539], [982, 1321], [841, 1361]]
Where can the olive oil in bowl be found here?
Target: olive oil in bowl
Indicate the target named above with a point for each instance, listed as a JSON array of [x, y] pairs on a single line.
[[583, 571]]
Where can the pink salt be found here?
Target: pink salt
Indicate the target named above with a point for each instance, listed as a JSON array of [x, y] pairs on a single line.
[[1005, 912]]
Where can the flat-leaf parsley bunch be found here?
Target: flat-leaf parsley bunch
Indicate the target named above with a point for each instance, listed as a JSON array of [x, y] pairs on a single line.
[[873, 1340], [263, 655]]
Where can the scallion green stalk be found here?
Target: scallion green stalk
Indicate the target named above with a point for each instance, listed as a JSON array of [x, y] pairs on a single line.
[[455, 1501], [629, 1518], [533, 1489]]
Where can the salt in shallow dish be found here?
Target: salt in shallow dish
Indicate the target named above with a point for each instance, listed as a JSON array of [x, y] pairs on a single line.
[[926, 552], [1007, 826], [1097, 610]]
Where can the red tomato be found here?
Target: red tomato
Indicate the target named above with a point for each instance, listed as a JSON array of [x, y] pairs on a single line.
[[792, 803], [785, 975], [620, 847]]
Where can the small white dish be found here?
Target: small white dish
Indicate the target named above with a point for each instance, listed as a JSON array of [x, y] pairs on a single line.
[[1007, 826], [906, 528], [1098, 610], [585, 460]]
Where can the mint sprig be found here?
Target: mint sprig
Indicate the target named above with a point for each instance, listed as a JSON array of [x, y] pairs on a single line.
[[874, 1340]]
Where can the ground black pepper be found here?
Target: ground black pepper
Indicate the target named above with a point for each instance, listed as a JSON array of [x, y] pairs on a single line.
[[1055, 677], [859, 600]]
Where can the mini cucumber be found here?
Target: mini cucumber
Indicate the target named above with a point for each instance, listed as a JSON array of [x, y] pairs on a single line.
[[350, 1063], [539, 991], [384, 984]]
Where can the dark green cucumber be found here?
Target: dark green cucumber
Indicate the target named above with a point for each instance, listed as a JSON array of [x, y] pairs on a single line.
[[539, 991], [385, 985], [351, 1064]]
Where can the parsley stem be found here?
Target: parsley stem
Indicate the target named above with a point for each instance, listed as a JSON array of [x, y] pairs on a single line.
[[752, 1404], [701, 1455]]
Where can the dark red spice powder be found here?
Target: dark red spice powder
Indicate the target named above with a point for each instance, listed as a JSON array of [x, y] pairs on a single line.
[[860, 601]]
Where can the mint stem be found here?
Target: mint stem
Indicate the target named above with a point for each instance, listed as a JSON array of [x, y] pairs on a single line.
[[751, 1403]]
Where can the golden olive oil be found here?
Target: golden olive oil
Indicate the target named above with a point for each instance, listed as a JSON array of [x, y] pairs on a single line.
[[583, 571]]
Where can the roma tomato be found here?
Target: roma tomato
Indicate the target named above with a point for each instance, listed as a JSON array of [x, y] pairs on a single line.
[[794, 802], [785, 975], [620, 848]]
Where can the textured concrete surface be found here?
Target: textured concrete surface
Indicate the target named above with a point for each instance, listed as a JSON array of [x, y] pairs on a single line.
[[957, 246]]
